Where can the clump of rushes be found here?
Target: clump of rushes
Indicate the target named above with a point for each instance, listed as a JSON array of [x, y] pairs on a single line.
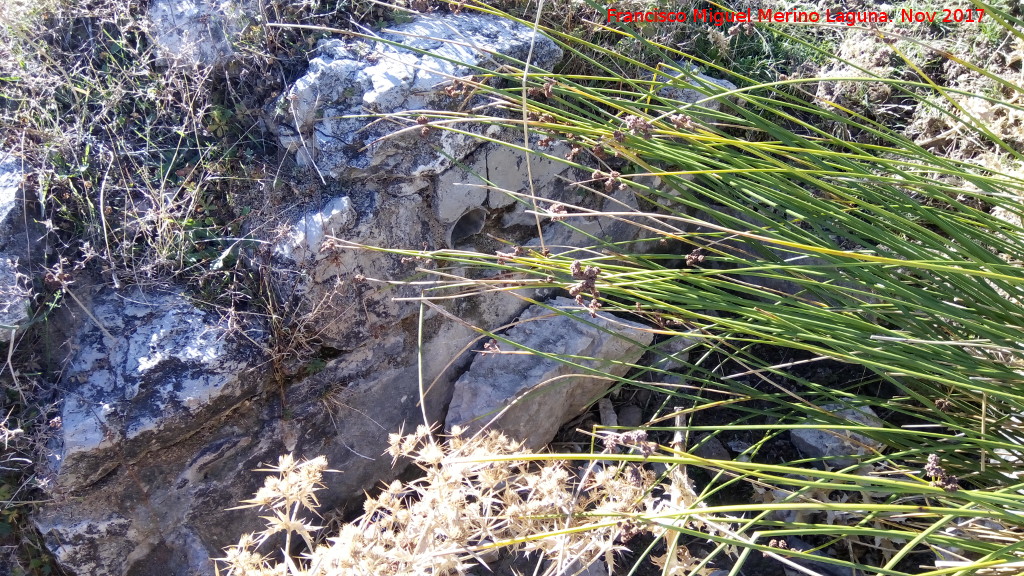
[[872, 270], [477, 495]]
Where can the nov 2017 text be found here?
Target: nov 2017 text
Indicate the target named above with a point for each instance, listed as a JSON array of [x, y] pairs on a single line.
[[850, 18]]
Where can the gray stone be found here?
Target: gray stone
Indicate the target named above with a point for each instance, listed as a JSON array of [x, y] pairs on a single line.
[[672, 354], [135, 472], [505, 168], [739, 446], [17, 238], [630, 416], [841, 446], [323, 117], [691, 87], [191, 33], [711, 448], [11, 178], [14, 299], [528, 397], [166, 419], [400, 192], [306, 235], [168, 364]]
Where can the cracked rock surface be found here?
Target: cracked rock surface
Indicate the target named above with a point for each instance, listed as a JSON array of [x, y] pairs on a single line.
[[326, 117], [528, 397]]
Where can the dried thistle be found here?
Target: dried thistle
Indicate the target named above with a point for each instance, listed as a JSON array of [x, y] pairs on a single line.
[[475, 497], [632, 439]]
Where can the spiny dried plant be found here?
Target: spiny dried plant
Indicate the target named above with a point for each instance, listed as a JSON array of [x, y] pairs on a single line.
[[476, 497]]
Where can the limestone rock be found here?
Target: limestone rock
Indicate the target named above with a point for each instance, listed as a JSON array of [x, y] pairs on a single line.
[[324, 117], [530, 397], [166, 419], [14, 301], [196, 33], [398, 192], [11, 176], [306, 235], [692, 87], [833, 444], [16, 248], [147, 365], [137, 471], [673, 353]]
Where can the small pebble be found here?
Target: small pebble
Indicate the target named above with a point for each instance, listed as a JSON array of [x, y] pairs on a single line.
[[631, 416], [711, 448]]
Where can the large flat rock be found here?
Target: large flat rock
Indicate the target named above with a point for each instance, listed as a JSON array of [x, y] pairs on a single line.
[[529, 396]]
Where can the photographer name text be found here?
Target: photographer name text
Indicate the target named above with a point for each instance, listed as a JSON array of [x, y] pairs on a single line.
[[722, 18]]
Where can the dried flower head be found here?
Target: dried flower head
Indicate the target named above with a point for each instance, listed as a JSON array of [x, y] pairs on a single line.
[[549, 86], [587, 284], [695, 257], [612, 181], [682, 121], [948, 483], [746, 28], [939, 477], [573, 153], [638, 126], [557, 211]]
